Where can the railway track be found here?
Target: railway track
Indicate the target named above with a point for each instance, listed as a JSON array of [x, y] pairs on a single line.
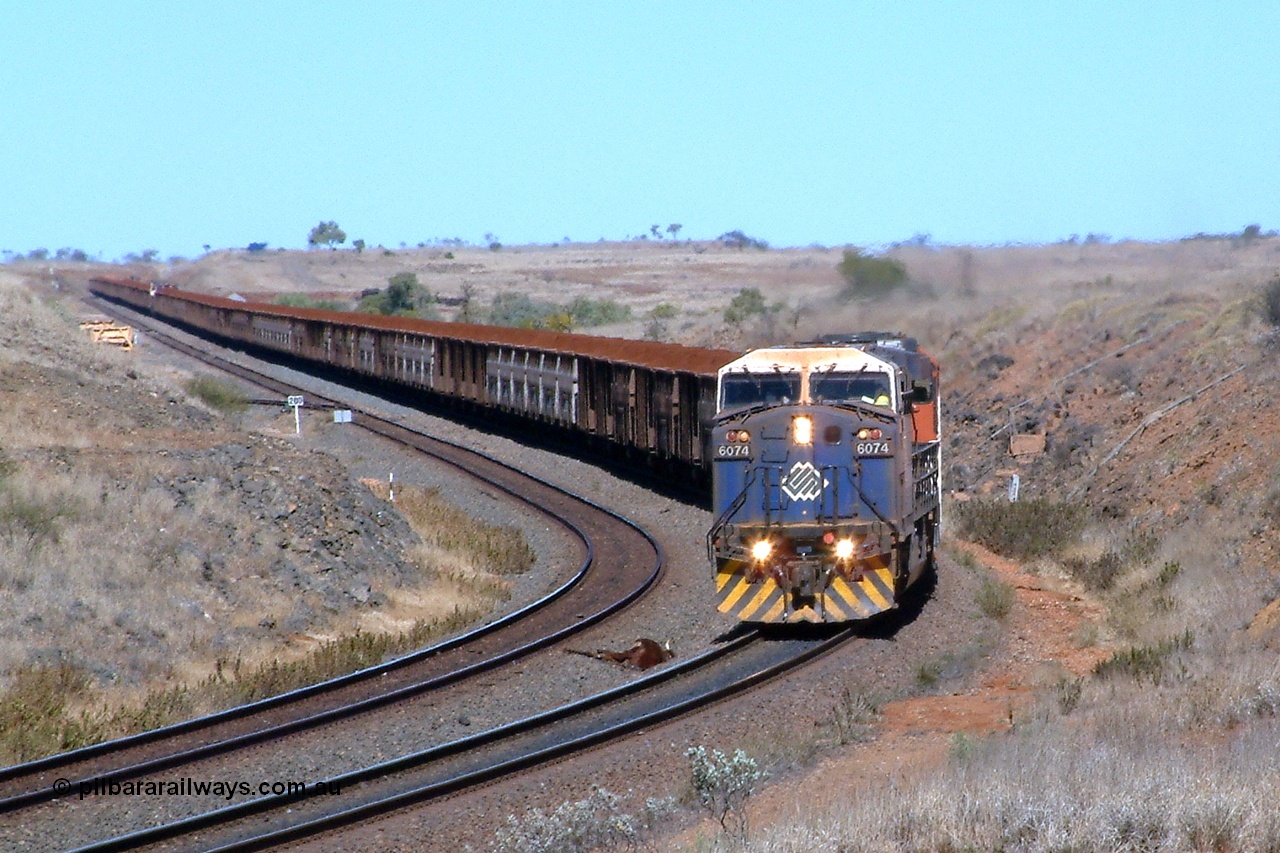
[[620, 562], [431, 775]]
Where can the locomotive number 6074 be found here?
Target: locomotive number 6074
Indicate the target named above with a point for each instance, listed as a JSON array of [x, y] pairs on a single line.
[[733, 451]]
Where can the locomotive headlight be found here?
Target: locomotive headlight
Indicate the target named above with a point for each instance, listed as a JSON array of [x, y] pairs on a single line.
[[761, 550], [802, 429], [844, 549]]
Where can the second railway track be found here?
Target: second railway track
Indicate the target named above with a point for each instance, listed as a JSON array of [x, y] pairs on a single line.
[[433, 774]]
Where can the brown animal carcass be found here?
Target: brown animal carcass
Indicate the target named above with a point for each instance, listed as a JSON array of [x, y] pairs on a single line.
[[644, 654]]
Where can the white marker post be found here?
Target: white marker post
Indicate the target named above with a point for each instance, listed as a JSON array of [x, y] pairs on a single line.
[[1015, 485], [295, 402], [391, 486]]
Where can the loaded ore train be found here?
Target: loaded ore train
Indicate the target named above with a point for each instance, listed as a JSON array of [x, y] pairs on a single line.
[[826, 478], [823, 458]]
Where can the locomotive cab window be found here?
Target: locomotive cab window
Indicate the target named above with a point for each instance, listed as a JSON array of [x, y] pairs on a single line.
[[835, 387], [740, 390]]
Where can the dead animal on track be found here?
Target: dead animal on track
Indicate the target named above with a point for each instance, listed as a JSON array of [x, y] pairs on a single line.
[[644, 654]]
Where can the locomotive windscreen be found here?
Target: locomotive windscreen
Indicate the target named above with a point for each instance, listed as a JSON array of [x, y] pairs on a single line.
[[835, 387], [740, 390]]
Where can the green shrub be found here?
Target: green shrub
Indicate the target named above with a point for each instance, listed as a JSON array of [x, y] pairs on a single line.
[[519, 311], [1271, 301], [29, 520], [738, 240], [404, 297], [301, 300], [928, 674], [1147, 663], [995, 598], [1025, 529], [853, 715], [869, 277], [217, 393], [597, 312], [1099, 574], [748, 303]]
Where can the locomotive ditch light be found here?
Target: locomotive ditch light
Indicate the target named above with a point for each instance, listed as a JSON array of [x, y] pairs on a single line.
[[844, 549], [761, 550], [802, 429]]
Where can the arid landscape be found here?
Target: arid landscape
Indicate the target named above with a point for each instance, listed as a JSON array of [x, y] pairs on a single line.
[[1134, 585]]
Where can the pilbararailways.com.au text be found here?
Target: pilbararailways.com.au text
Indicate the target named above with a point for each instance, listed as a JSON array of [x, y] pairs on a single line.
[[189, 787]]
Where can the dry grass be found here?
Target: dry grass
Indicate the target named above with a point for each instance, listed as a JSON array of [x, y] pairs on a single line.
[[490, 548], [61, 563], [1045, 790], [1025, 530], [151, 562]]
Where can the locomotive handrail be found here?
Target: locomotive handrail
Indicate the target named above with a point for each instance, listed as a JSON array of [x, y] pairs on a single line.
[[729, 512]]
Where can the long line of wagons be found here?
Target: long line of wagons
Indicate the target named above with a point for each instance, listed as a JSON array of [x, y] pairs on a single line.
[[824, 457]]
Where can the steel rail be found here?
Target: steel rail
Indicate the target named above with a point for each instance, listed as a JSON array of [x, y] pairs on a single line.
[[403, 435], [435, 790]]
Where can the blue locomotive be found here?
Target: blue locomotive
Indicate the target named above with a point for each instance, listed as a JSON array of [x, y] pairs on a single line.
[[826, 478]]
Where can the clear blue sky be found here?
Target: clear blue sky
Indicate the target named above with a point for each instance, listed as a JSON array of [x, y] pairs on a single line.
[[135, 125]]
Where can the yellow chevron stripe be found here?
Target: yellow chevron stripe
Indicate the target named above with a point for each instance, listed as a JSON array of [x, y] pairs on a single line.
[[731, 597], [761, 598], [774, 613], [840, 591], [831, 607], [874, 587], [805, 614]]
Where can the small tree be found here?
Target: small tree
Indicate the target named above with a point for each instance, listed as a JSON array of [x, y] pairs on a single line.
[[560, 321], [327, 234], [466, 309], [867, 276], [404, 297], [738, 240], [748, 303], [674, 229], [723, 784], [1271, 301]]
